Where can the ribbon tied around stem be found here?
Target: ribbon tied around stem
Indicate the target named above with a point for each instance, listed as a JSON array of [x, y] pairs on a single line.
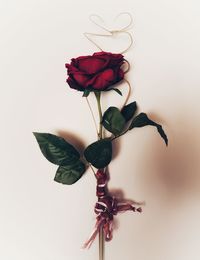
[[106, 207]]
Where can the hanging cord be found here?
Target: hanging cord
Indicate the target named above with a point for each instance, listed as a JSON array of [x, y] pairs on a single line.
[[128, 94], [110, 33], [128, 68]]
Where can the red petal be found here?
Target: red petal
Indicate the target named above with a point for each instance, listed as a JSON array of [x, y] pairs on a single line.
[[92, 65], [81, 79], [74, 85], [102, 80]]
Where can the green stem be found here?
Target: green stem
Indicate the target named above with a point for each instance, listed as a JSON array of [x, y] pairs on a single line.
[[98, 98], [100, 135]]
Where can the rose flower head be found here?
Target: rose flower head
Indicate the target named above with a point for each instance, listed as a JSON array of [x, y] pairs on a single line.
[[95, 72]]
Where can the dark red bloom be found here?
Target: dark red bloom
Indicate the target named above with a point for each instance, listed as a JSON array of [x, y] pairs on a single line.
[[95, 72]]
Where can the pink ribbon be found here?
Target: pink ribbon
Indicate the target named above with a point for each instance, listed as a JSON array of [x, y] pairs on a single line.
[[106, 208]]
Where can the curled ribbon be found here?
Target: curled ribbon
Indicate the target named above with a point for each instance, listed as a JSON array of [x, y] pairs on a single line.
[[106, 208]]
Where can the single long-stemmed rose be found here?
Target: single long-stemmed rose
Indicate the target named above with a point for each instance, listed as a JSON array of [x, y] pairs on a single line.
[[96, 73]]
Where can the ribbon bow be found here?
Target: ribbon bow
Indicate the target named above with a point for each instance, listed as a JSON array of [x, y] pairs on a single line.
[[106, 208]]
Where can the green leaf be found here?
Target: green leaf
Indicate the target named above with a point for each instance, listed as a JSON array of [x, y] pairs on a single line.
[[86, 93], [113, 120], [129, 110], [70, 174], [142, 120], [56, 149], [116, 90], [99, 153]]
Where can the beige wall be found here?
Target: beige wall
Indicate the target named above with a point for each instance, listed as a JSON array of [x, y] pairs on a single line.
[[42, 220]]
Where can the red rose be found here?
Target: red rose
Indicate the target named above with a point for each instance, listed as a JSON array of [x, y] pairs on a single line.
[[95, 72]]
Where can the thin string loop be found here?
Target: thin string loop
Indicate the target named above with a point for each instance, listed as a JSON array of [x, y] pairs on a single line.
[[110, 33], [97, 24], [130, 22], [128, 68], [128, 94]]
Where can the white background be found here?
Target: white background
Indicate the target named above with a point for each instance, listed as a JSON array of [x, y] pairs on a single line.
[[43, 220]]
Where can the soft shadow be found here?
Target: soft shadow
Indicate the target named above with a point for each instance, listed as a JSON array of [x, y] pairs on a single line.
[[119, 195], [169, 179], [176, 169], [73, 139], [116, 145]]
